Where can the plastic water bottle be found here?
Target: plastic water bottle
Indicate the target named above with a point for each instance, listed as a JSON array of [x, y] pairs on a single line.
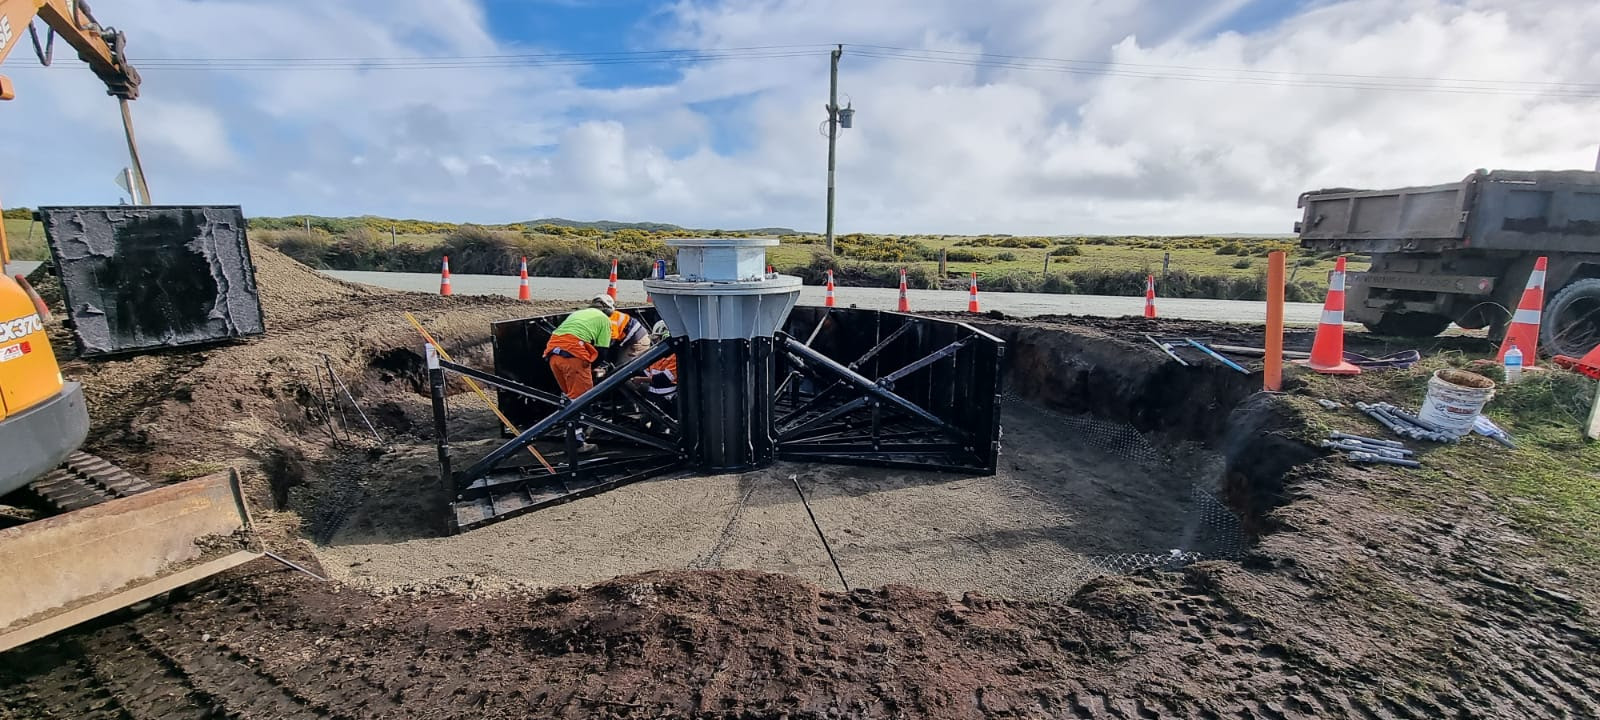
[[1513, 364]]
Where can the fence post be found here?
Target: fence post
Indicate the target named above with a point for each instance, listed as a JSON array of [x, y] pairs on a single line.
[[1047, 263], [392, 239], [1166, 263], [944, 267]]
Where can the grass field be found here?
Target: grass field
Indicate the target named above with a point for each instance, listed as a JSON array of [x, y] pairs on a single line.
[[24, 246]]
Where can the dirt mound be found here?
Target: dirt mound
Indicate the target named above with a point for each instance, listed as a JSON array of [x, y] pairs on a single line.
[[175, 414]]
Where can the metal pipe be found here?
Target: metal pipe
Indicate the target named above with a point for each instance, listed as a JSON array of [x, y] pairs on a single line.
[[868, 385], [1371, 458], [1351, 447], [1367, 440], [571, 409]]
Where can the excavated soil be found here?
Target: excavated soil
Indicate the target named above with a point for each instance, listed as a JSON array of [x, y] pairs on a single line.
[[1365, 594]]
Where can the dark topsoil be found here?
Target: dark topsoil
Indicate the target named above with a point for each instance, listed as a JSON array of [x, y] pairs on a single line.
[[1373, 596]]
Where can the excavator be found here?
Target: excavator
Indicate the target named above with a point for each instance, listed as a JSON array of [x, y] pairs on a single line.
[[118, 541]]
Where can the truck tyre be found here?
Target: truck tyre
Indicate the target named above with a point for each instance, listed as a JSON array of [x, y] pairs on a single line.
[[1571, 320], [1409, 325]]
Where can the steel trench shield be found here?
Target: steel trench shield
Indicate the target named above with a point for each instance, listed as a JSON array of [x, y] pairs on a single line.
[[147, 277]]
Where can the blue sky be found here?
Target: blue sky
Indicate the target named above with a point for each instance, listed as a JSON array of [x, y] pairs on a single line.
[[1173, 116]]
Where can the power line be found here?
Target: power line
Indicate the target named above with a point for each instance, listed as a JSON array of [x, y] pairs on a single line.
[[1409, 86], [1287, 73]]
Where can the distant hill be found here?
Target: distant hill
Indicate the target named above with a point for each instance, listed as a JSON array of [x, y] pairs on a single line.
[[613, 225]]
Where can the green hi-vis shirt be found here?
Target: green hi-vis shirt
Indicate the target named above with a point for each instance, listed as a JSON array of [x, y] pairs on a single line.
[[589, 325]]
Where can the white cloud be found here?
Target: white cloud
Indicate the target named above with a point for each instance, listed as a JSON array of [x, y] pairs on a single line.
[[937, 147]]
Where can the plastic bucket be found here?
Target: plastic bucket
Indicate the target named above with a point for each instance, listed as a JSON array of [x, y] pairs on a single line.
[[1455, 398]]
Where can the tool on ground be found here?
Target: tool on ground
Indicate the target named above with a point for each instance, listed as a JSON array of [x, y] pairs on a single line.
[[481, 394], [1166, 347], [905, 305], [1524, 330], [1403, 423], [1327, 350], [1272, 371], [444, 275], [1393, 361], [972, 295], [524, 293], [611, 286], [828, 301], [1149, 296], [1207, 350], [1366, 457], [1354, 447], [1366, 440], [1487, 428], [1258, 352]]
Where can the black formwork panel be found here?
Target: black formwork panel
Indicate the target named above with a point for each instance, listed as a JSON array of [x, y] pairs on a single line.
[[146, 277], [519, 355], [962, 390]]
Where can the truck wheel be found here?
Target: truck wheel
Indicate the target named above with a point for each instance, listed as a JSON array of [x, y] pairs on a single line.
[[1409, 325], [1571, 320]]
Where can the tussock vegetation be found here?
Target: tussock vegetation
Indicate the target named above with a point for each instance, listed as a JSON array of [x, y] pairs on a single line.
[[1199, 266]]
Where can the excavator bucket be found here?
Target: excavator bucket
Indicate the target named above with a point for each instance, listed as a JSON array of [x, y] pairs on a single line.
[[67, 569]]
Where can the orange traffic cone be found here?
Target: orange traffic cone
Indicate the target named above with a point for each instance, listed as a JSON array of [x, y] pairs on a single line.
[[972, 295], [1149, 296], [905, 306], [524, 293], [612, 288], [1588, 364], [1327, 350], [444, 277], [829, 301], [1524, 331]]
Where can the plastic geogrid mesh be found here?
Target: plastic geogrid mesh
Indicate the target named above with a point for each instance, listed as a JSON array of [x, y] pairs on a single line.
[[1217, 533]]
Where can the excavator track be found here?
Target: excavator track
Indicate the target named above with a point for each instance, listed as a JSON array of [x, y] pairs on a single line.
[[85, 480]]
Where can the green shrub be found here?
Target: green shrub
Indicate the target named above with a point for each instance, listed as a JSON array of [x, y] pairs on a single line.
[[1066, 251], [1007, 256], [1232, 248], [309, 248], [1242, 263], [956, 254], [884, 248], [1005, 241], [17, 213], [860, 274]]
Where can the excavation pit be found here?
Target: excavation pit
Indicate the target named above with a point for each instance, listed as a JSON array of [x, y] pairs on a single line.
[[1112, 460]]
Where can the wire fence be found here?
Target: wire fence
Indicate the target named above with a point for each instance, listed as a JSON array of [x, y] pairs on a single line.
[[1215, 531]]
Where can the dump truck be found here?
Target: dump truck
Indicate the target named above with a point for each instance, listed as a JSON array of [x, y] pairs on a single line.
[[1462, 253], [112, 540]]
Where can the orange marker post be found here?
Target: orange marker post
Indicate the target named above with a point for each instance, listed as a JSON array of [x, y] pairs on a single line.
[[1272, 376]]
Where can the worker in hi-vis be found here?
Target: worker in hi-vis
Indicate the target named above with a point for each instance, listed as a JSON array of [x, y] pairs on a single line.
[[629, 337], [572, 350]]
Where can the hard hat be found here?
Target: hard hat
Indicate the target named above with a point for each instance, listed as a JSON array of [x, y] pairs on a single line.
[[660, 329], [603, 302]]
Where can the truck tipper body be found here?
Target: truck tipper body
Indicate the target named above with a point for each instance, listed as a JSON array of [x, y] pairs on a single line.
[[1462, 252]]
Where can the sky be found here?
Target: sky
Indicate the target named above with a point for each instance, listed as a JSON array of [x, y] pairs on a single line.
[[1010, 116]]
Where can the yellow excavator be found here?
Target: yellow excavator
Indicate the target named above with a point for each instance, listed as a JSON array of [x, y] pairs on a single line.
[[120, 541]]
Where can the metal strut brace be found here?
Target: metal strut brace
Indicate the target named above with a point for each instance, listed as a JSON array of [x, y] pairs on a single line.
[[572, 409], [868, 386]]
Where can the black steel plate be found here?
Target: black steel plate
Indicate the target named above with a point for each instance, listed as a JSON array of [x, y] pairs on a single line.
[[148, 277]]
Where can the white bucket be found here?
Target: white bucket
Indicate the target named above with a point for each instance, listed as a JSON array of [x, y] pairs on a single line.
[[1455, 398]]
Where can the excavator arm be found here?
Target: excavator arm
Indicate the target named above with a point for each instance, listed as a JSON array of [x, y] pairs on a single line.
[[100, 47]]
